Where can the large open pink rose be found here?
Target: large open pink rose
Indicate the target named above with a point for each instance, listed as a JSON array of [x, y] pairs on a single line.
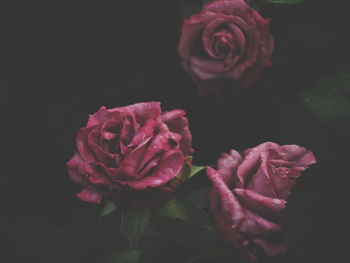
[[131, 155], [249, 195], [227, 45]]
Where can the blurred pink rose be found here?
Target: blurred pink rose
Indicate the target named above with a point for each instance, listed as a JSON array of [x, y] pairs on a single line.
[[227, 45], [131, 155], [249, 195]]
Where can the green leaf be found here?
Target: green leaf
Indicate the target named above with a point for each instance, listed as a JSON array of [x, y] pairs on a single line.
[[174, 209], [133, 225], [330, 101], [107, 210], [189, 170], [124, 256], [285, 1], [197, 197], [196, 232], [107, 234], [195, 170]]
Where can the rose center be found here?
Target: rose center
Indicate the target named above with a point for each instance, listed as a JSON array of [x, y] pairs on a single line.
[[110, 136], [223, 44], [110, 130], [279, 169]]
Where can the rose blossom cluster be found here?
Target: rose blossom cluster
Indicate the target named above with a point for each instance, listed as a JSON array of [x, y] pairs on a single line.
[[135, 156]]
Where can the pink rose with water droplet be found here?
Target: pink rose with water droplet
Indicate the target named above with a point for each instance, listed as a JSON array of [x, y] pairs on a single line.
[[249, 195], [131, 155], [227, 45]]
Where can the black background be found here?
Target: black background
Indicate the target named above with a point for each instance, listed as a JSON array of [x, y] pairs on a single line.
[[61, 60]]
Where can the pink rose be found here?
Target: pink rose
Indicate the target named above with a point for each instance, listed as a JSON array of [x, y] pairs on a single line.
[[249, 195], [228, 44], [131, 155]]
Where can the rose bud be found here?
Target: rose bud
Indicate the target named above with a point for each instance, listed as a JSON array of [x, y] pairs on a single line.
[[249, 196], [227, 45], [131, 155]]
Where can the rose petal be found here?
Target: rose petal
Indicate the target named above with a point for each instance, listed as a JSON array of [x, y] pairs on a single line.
[[297, 154], [143, 111], [101, 116], [169, 166], [94, 142], [230, 207], [255, 225], [224, 225], [78, 170], [190, 32], [84, 173], [82, 145], [227, 166], [121, 174], [259, 204], [129, 128], [207, 69], [250, 161], [110, 130], [198, 65], [178, 123], [144, 134], [283, 178], [162, 142], [116, 174], [90, 196], [131, 162], [227, 7], [219, 67]]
